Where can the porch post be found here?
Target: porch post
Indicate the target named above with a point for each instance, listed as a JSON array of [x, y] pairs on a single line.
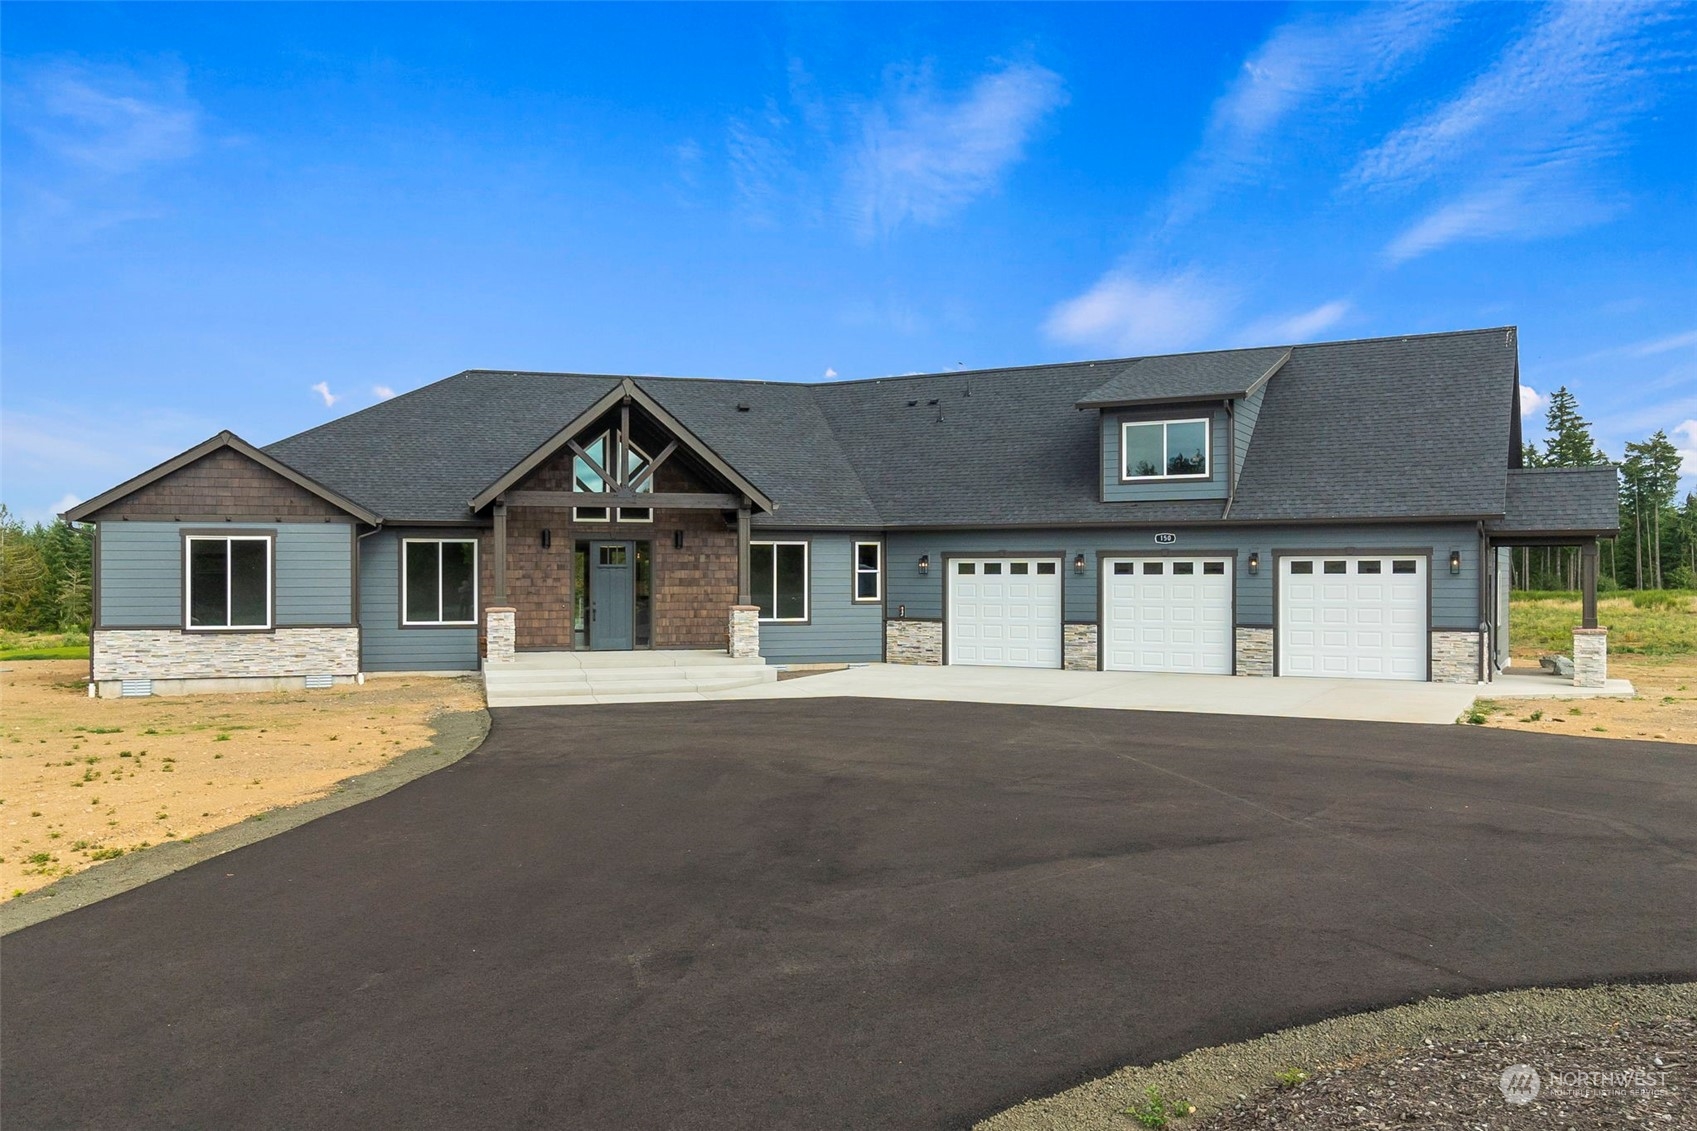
[[500, 552], [743, 580], [1588, 584]]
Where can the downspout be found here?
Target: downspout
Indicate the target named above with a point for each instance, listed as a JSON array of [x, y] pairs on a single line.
[[1231, 458], [360, 676]]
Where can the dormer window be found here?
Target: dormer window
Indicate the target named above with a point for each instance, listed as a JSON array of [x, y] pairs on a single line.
[[1164, 449]]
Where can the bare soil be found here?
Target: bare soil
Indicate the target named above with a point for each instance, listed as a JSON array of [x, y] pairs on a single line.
[[82, 780], [1664, 709]]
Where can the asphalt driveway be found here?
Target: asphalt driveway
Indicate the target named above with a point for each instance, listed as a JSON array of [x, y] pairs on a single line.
[[841, 913]]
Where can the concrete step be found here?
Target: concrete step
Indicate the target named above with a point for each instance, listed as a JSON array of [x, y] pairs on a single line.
[[537, 677], [632, 659]]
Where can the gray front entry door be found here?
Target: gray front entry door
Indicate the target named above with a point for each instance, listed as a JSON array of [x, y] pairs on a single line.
[[610, 568]]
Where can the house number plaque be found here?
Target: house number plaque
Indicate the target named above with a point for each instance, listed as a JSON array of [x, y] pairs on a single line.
[[1165, 539]]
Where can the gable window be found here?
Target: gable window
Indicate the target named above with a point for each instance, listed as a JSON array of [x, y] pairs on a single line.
[[228, 581], [868, 572], [586, 479], [438, 581], [1164, 449], [778, 579]]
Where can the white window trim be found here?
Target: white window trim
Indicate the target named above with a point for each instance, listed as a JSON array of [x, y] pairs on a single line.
[[1207, 448], [806, 581], [475, 581], [229, 587], [577, 517], [649, 518], [877, 574]]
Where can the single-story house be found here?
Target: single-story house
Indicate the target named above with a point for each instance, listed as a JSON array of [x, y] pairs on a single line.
[[1338, 509]]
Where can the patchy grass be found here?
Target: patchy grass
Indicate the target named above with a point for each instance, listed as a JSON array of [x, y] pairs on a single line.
[[87, 780], [1650, 623], [43, 645]]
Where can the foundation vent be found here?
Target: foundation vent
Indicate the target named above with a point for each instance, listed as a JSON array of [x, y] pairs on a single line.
[[319, 682], [135, 688]]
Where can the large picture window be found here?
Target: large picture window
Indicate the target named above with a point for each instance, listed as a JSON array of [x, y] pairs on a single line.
[[778, 579], [1164, 449], [229, 581], [439, 581], [868, 574]]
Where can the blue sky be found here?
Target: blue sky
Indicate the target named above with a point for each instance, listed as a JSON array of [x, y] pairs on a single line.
[[260, 217]]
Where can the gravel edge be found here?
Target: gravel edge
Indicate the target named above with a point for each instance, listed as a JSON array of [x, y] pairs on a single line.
[[1215, 1078], [454, 735]]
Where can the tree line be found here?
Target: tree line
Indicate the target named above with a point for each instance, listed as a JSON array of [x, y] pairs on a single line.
[[1657, 547], [46, 575]]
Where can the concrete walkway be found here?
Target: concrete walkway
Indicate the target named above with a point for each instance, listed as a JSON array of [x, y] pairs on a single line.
[[1368, 700]]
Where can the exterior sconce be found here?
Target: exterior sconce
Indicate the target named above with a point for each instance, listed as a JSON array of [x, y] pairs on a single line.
[[924, 565], [1455, 562], [677, 539], [547, 539], [1254, 561], [1078, 565]]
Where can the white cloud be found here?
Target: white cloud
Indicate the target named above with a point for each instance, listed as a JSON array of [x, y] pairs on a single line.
[[1665, 345], [110, 120], [381, 392], [59, 452], [921, 156], [1302, 327], [323, 390], [830, 374], [1298, 79], [1516, 152], [1686, 441], [1532, 401], [1135, 315], [66, 502]]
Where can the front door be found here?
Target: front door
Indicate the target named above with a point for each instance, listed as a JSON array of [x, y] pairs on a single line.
[[611, 566]]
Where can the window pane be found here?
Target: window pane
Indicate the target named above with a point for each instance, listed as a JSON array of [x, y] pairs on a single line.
[[1187, 448], [761, 577], [1213, 567], [966, 567], [1184, 567], [423, 577], [459, 573], [589, 514], [1337, 567], [1046, 568], [1302, 567], [992, 567], [206, 582], [1142, 449], [1402, 565], [792, 582], [1367, 567], [1019, 567], [866, 586], [866, 555], [1154, 567], [636, 514], [249, 601], [1123, 568]]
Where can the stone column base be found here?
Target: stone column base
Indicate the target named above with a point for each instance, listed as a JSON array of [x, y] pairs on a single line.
[[1590, 657], [1080, 648], [913, 641], [1254, 651], [1455, 657], [500, 632], [744, 633]]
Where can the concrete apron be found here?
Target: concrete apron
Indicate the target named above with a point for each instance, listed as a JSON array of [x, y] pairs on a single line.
[[1369, 700]]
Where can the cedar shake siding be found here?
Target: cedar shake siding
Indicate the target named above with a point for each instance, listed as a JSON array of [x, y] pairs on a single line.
[[222, 483]]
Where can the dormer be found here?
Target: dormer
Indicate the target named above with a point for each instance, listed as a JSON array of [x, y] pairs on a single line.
[[1178, 427]]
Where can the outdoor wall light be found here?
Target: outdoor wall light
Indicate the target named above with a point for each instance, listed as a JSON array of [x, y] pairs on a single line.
[[677, 539], [1078, 565], [1255, 561], [924, 565], [547, 539], [1455, 561]]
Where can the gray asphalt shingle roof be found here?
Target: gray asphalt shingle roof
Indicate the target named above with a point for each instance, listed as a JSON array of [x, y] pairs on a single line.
[[1388, 428], [1543, 499], [1216, 375]]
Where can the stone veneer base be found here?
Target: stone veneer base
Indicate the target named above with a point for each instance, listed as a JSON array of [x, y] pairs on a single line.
[[166, 654], [1455, 657], [913, 641], [1080, 650], [1590, 657], [1254, 651]]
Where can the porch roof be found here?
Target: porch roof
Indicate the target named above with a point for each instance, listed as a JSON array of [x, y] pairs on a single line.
[[1559, 504]]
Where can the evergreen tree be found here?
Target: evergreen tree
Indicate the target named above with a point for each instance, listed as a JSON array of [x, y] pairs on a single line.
[[1569, 442]]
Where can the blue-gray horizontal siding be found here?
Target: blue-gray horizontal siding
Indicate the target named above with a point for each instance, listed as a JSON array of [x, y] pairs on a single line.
[[384, 645], [839, 629], [1455, 599], [1244, 416], [1213, 487], [141, 573]]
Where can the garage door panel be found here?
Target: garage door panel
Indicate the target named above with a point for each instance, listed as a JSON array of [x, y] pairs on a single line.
[[1167, 614], [1004, 612], [1370, 612]]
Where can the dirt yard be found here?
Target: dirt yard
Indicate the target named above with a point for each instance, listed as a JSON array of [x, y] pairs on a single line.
[[84, 780], [1665, 707]]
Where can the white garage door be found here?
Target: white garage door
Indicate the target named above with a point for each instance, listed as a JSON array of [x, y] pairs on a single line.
[[1353, 616], [1167, 615], [1005, 612]]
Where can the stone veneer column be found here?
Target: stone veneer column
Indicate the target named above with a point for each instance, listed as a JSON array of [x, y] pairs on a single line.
[[745, 632], [500, 632], [1590, 657], [913, 641], [1254, 651], [1079, 648], [1455, 657]]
